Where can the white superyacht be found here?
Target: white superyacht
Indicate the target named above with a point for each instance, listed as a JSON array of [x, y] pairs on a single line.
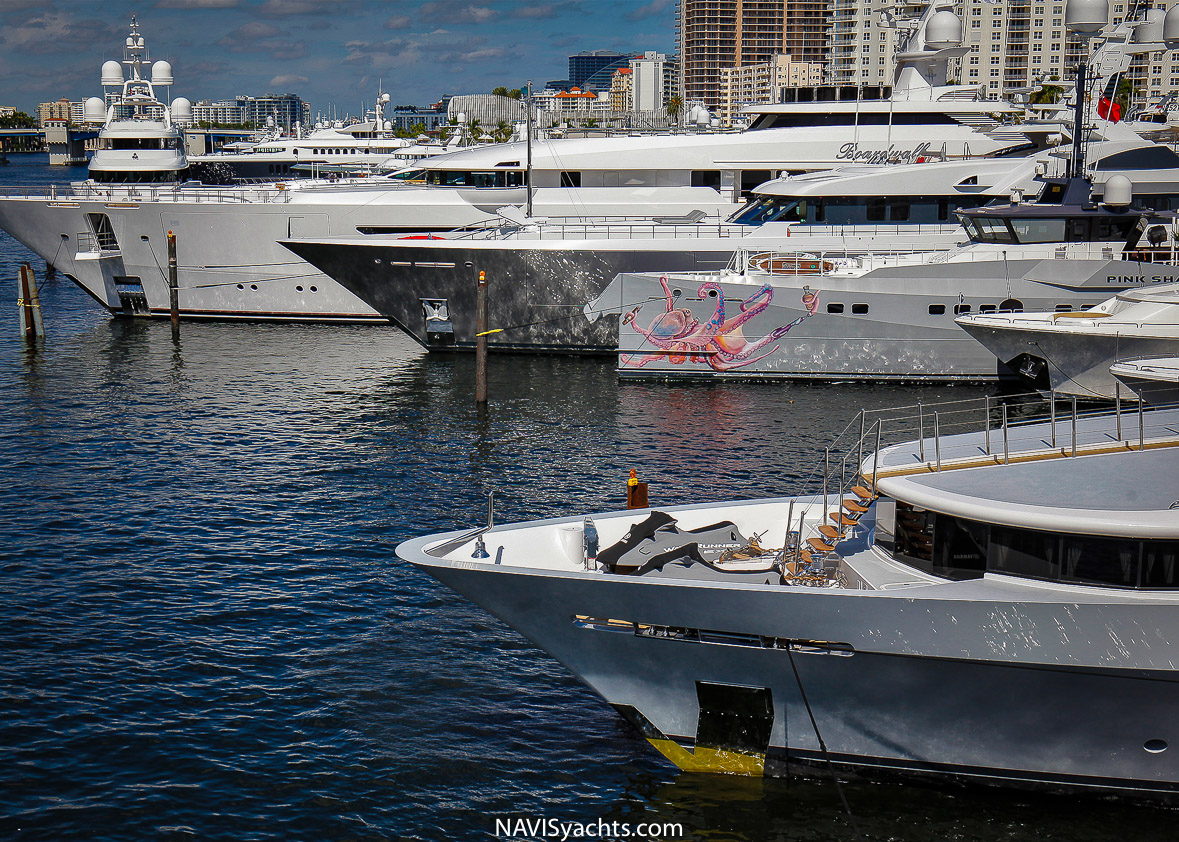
[[232, 266], [998, 606]]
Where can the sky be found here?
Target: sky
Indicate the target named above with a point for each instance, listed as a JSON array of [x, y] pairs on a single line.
[[332, 53]]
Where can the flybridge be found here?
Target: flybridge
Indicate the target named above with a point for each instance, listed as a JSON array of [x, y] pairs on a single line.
[[836, 93]]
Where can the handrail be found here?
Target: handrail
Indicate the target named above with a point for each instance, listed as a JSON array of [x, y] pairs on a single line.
[[865, 434]]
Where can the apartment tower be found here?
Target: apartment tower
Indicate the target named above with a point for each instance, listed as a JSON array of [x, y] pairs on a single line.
[[716, 34]]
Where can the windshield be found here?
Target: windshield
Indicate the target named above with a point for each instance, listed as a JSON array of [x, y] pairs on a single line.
[[770, 209]]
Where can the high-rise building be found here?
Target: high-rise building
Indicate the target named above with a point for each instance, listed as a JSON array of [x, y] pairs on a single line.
[[63, 109], [1013, 44], [594, 69], [716, 34], [649, 93]]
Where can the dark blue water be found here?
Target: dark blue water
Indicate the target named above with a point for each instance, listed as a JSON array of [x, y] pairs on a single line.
[[205, 632]]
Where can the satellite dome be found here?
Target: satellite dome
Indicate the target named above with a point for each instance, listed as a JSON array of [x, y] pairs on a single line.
[[181, 109], [943, 31], [1119, 190], [383, 98], [1171, 28], [1151, 28], [161, 73], [1086, 17], [112, 73], [94, 110]]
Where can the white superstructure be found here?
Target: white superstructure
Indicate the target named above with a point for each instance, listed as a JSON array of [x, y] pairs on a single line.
[[140, 141]]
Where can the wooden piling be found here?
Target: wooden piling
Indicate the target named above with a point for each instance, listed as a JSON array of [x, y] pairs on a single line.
[[28, 305], [173, 285], [481, 340], [636, 492]]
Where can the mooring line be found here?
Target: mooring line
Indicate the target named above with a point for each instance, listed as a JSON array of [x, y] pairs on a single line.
[[823, 746]]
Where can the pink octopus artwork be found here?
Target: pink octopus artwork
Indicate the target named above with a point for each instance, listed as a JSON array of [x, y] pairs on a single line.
[[680, 337]]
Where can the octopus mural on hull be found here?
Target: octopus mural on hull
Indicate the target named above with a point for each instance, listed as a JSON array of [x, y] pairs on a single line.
[[680, 337]]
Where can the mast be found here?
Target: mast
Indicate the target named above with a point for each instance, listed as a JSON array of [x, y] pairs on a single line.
[[528, 172]]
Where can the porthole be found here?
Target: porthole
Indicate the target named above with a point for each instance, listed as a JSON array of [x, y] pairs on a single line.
[[377, 261], [986, 308], [959, 309], [834, 308], [1013, 305], [676, 293], [298, 289], [313, 289], [1155, 746], [859, 309], [1064, 308], [937, 309], [712, 293], [143, 237], [253, 286], [241, 286]]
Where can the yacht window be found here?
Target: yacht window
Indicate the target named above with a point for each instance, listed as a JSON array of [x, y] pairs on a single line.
[[770, 209], [1064, 308], [570, 179], [1085, 558], [1117, 229], [986, 308], [898, 210], [943, 209], [959, 309], [1078, 231], [706, 178], [859, 309], [992, 231], [834, 308], [1158, 564], [1038, 230], [958, 548], [937, 309], [1021, 552], [876, 210]]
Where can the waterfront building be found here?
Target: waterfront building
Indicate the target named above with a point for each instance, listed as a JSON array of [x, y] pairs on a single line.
[[63, 109], [715, 34], [622, 89], [762, 83], [285, 109]]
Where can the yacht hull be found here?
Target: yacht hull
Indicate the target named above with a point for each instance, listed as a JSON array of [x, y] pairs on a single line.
[[1076, 364], [891, 324], [984, 690], [535, 296]]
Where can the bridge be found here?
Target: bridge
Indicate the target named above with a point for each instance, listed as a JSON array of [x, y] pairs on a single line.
[[65, 144]]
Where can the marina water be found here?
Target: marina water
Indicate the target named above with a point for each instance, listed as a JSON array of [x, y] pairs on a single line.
[[206, 633]]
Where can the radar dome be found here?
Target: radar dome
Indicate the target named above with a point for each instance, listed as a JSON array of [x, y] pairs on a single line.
[[1086, 17], [383, 98], [112, 73], [94, 110], [943, 31], [1150, 29], [161, 73], [1171, 28], [1119, 190], [181, 110]]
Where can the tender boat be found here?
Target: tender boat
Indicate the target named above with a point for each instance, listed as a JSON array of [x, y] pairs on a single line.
[[1155, 380], [996, 604], [1071, 352]]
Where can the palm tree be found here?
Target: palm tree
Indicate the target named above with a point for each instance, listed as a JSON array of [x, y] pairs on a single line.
[[503, 131], [675, 107]]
